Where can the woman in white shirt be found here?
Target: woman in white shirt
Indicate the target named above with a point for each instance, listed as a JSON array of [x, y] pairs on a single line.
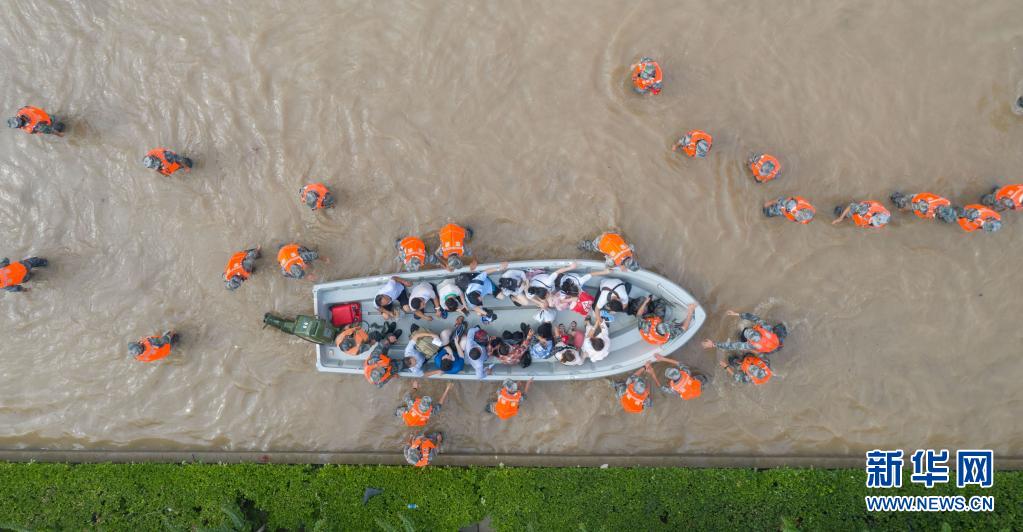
[[597, 343], [419, 295]]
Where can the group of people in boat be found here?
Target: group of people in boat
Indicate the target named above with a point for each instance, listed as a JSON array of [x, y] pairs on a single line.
[[984, 215]]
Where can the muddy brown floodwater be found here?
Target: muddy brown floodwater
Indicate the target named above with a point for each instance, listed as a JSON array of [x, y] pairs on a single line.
[[515, 118]]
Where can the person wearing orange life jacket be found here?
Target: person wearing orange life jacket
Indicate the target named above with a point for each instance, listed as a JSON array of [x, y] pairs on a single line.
[[864, 214], [761, 338], [647, 77], [653, 326], [316, 196], [412, 253], [633, 394], [13, 274], [617, 253], [681, 380], [165, 161], [379, 369], [294, 259], [748, 368], [35, 121], [421, 449], [416, 412], [973, 217], [240, 267], [793, 208], [509, 397], [153, 348], [925, 205], [764, 167], [1009, 197], [696, 143], [454, 240]]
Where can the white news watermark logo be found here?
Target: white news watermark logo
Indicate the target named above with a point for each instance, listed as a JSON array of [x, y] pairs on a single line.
[[974, 467]]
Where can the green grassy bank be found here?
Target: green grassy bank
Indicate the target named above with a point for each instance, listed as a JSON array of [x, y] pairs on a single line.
[[180, 497]]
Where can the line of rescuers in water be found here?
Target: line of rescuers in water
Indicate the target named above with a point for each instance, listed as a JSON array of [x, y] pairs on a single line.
[[647, 78]]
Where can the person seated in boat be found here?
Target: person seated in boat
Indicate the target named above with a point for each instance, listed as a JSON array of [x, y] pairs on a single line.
[[973, 217], [473, 348], [646, 76], [477, 285], [543, 284], [392, 298], [358, 338], [14, 274], [447, 361], [416, 411], [316, 196], [511, 347], [793, 208], [451, 297], [422, 344], [597, 339], [613, 295], [379, 368], [541, 342], [454, 247], [412, 253], [35, 121], [680, 379], [295, 259], [617, 253], [748, 369], [420, 295], [568, 354], [240, 267], [760, 338], [513, 284], [166, 161], [1009, 197], [509, 397], [421, 449], [653, 325], [925, 205], [696, 143], [633, 394], [571, 293], [870, 214], [153, 348]]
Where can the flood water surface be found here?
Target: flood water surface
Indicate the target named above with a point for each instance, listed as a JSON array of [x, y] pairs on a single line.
[[515, 118]]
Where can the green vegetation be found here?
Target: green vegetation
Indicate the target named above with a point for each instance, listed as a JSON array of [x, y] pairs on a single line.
[[247, 496]]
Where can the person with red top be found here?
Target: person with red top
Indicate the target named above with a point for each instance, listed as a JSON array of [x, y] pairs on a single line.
[[13, 274], [696, 143], [35, 121], [633, 394], [925, 205], [421, 449], [416, 411], [793, 208], [647, 77], [681, 380], [153, 348], [760, 338], [509, 397], [165, 161], [240, 267], [1009, 197], [316, 196], [868, 213]]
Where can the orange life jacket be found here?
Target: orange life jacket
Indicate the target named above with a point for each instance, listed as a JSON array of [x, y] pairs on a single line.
[[425, 445], [235, 267], [321, 193], [653, 85], [933, 202], [757, 167], [150, 352], [35, 117], [768, 342], [985, 216], [452, 240], [801, 204], [686, 386], [634, 402], [507, 404], [1013, 192], [414, 417], [383, 362], [648, 330], [750, 361], [412, 247], [13, 274], [613, 246], [166, 167], [864, 219], [358, 335], [695, 136], [289, 256]]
